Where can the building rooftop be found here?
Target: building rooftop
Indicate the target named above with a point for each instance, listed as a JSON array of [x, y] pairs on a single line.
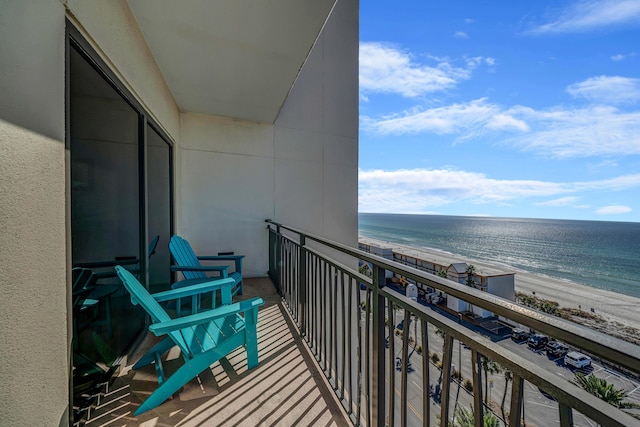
[[438, 257]]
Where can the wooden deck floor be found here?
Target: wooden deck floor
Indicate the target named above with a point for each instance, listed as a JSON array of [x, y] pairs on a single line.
[[286, 388]]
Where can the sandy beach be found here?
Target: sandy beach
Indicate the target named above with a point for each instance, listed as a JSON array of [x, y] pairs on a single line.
[[613, 307]]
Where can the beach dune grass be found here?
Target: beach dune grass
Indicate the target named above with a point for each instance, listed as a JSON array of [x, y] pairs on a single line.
[[582, 317]]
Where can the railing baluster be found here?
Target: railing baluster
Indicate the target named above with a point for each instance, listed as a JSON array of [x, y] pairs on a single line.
[[405, 362], [446, 378], [316, 313], [350, 339], [302, 283], [279, 265], [333, 312], [332, 322], [426, 383], [392, 369], [360, 355], [478, 407], [309, 293], [344, 336], [517, 397], [367, 355], [566, 415], [323, 315], [335, 324], [378, 386]]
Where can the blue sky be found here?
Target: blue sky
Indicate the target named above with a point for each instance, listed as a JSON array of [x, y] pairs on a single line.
[[501, 108]]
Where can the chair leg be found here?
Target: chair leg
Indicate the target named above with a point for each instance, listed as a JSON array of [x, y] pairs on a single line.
[[183, 375], [251, 345], [150, 357]]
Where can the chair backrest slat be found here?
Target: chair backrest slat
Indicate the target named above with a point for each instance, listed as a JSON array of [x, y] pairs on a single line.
[[184, 256], [139, 295]]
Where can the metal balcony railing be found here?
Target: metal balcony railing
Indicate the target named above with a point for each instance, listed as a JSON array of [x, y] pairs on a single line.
[[348, 321]]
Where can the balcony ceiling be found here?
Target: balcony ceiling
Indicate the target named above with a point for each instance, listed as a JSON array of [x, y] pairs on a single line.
[[231, 58]]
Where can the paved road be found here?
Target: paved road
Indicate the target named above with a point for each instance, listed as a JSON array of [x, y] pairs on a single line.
[[539, 408]]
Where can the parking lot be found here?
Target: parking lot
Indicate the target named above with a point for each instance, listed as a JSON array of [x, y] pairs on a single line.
[[540, 409]]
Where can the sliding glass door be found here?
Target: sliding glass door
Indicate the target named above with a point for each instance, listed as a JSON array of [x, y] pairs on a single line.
[[121, 202]]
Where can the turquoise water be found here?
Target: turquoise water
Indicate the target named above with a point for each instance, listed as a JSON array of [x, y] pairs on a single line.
[[601, 254]]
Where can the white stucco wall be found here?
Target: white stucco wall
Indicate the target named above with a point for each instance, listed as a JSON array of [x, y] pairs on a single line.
[[34, 369], [316, 136], [502, 286], [34, 320], [456, 304], [300, 171], [226, 187]]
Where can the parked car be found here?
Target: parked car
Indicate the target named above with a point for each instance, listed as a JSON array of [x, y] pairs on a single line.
[[556, 349], [577, 360], [538, 341], [519, 334]]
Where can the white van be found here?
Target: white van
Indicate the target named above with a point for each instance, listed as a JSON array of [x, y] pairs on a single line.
[[577, 360]]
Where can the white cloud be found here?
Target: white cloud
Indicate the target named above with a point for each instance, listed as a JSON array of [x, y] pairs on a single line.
[[386, 69], [422, 190], [620, 56], [563, 201], [460, 35], [586, 15], [612, 184], [506, 122], [613, 210], [607, 89], [474, 62], [451, 119], [584, 132], [557, 132]]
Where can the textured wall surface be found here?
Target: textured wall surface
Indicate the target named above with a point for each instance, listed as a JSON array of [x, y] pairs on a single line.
[[33, 308], [301, 171]]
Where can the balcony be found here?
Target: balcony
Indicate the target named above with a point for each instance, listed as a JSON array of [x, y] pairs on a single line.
[[335, 348], [285, 389], [371, 341]]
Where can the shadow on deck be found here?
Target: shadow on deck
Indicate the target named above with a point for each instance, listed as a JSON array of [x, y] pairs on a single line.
[[285, 389]]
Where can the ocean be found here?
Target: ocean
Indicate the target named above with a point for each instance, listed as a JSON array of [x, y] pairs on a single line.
[[600, 254]]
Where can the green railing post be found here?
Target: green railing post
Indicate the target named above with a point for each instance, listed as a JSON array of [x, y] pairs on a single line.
[[378, 350]]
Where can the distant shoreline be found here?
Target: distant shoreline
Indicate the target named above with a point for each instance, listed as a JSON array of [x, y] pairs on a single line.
[[612, 306]]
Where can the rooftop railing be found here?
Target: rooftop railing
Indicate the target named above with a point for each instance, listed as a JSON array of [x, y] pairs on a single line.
[[382, 376]]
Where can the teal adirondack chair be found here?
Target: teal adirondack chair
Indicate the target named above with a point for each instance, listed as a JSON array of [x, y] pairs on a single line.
[[203, 338], [189, 265]]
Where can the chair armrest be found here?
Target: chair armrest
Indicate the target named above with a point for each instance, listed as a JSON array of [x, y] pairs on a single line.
[[220, 257], [237, 259], [221, 268], [201, 288], [204, 317]]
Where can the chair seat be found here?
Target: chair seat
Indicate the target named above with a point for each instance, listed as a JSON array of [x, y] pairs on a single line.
[[202, 338]]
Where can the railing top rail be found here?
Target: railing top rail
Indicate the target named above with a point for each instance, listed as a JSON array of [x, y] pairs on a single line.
[[622, 353]]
